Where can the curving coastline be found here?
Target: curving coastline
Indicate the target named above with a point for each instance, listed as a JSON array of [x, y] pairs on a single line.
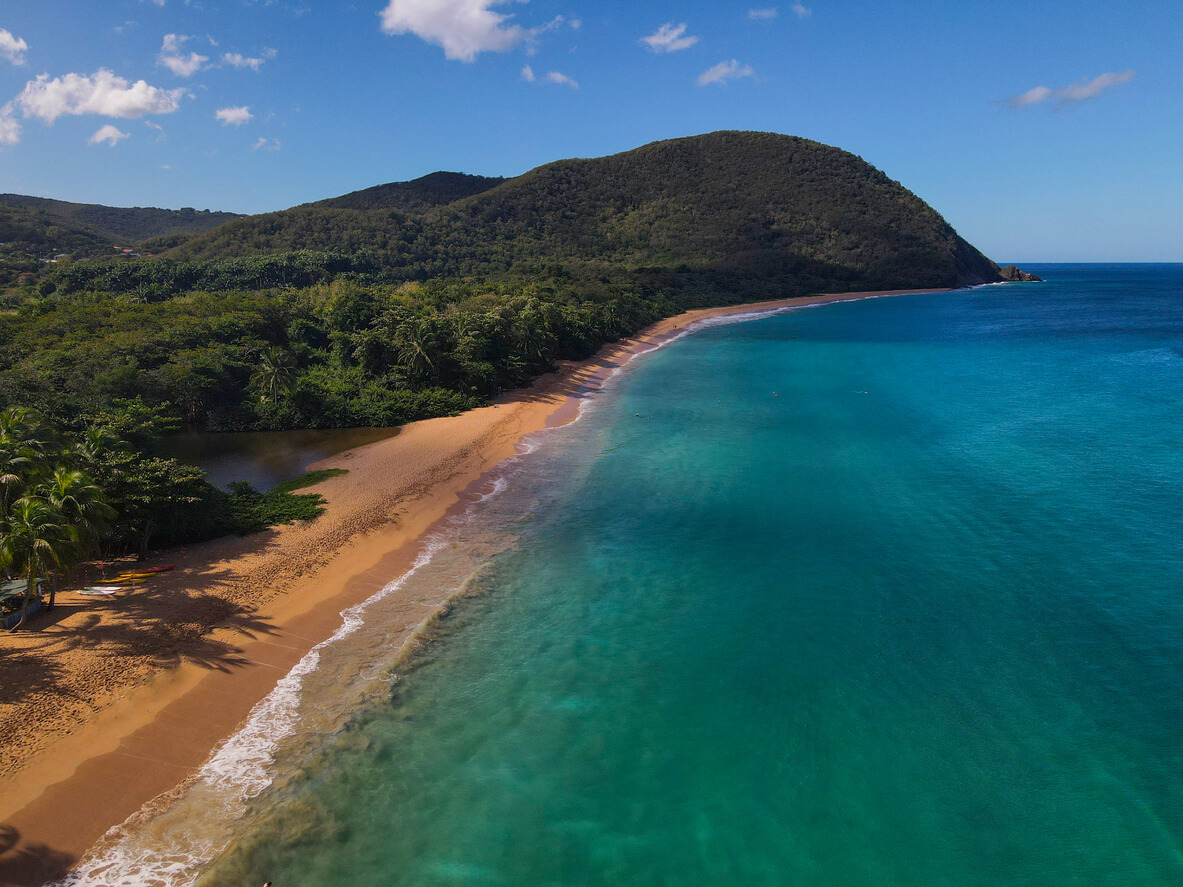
[[98, 763]]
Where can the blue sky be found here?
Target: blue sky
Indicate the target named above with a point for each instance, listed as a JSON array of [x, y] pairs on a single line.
[[1043, 131]]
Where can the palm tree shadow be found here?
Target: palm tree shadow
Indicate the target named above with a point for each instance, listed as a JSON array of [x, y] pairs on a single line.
[[27, 672], [29, 864], [163, 624]]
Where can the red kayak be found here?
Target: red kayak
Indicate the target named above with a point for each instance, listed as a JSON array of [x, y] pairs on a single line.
[[163, 569]]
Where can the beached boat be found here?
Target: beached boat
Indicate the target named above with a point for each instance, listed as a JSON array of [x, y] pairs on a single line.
[[144, 572], [12, 596]]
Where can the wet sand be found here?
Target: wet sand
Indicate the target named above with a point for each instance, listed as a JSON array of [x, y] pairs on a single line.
[[108, 704]]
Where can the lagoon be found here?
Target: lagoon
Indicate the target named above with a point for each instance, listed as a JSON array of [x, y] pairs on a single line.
[[264, 458]]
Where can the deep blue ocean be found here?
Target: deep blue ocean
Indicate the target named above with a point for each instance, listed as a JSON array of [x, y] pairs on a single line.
[[879, 593]]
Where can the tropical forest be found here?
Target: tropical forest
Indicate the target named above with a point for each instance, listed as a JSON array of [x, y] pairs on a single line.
[[401, 302]]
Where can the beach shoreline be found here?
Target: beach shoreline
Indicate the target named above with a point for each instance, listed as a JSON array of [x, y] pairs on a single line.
[[85, 765]]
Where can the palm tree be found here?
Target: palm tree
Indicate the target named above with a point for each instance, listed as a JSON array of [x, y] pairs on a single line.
[[534, 331], [414, 341], [81, 502], [37, 540], [96, 442], [275, 373], [24, 447]]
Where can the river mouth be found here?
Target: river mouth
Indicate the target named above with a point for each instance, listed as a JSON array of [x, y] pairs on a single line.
[[265, 458]]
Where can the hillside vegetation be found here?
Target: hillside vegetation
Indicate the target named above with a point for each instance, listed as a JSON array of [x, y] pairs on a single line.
[[125, 225], [419, 194], [724, 206], [416, 298], [35, 230], [423, 298]]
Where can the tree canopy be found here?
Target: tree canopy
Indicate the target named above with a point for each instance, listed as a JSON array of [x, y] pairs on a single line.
[[419, 299]]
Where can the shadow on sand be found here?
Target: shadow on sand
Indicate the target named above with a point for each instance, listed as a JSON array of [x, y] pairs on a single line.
[[159, 625]]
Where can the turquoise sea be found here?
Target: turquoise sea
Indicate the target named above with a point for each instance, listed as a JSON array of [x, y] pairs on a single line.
[[887, 592]]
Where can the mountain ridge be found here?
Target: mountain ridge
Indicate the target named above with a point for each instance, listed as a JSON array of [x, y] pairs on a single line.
[[761, 203], [434, 189], [111, 224]]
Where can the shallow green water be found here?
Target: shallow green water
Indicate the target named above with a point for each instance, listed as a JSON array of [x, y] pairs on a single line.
[[880, 593]]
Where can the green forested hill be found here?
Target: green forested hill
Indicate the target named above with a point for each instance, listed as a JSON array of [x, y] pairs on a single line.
[[420, 194], [68, 226], [727, 206], [419, 299], [34, 230]]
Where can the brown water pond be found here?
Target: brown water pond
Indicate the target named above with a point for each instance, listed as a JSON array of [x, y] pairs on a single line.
[[265, 458]]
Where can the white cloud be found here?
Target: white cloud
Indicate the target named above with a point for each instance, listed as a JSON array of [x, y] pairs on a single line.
[[155, 2], [184, 65], [464, 28], [173, 59], [668, 38], [104, 94], [267, 144], [555, 77], [112, 135], [240, 61], [12, 48], [553, 25], [560, 79], [725, 71], [235, 116], [1076, 92], [800, 10], [768, 13], [1033, 96], [10, 127]]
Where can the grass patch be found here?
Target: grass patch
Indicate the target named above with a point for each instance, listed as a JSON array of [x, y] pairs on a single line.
[[253, 512], [306, 480]]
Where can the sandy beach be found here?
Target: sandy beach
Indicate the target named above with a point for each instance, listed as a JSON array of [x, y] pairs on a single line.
[[108, 704]]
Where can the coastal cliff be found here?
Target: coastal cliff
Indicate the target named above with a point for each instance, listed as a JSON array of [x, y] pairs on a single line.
[[1012, 274]]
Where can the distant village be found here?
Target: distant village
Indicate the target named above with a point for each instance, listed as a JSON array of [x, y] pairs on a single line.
[[128, 251]]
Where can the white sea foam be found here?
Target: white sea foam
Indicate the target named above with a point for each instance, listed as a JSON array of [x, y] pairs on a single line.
[[239, 770], [146, 851], [499, 485]]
